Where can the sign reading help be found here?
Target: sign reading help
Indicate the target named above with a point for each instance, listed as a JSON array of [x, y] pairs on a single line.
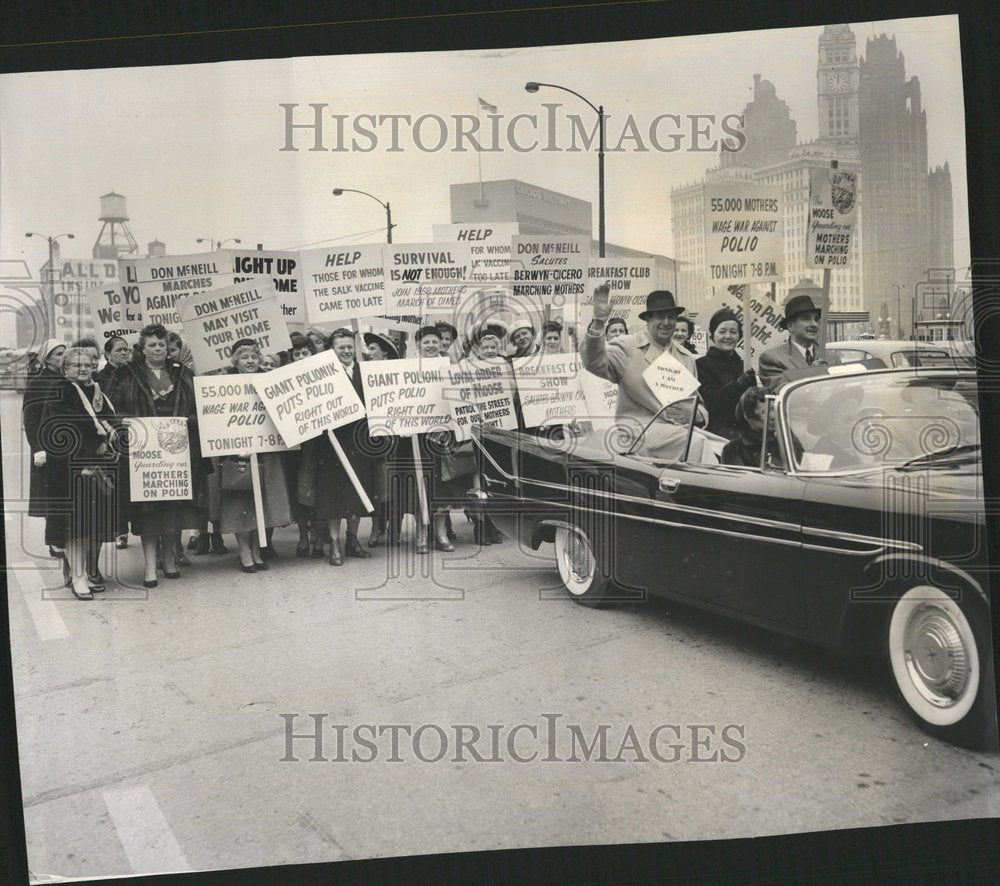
[[549, 388], [159, 459], [214, 321], [232, 419], [743, 232], [160, 284], [306, 398], [343, 283], [490, 247], [407, 397], [669, 379]]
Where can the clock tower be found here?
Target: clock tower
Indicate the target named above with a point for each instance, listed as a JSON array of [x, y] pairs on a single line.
[[837, 86]]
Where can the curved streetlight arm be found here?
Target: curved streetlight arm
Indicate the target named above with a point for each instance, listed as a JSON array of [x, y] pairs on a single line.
[[564, 89], [338, 191]]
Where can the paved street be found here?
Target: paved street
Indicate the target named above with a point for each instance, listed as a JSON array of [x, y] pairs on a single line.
[[151, 737]]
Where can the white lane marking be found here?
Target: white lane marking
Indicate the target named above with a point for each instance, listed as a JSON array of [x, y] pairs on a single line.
[[143, 831], [44, 613]]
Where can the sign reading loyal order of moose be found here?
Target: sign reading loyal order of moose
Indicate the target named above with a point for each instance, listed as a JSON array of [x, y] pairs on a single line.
[[158, 284], [306, 398], [232, 419], [214, 321], [343, 283], [426, 278], [743, 232]]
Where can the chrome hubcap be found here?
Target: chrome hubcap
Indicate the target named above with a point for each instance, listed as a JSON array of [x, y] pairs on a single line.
[[936, 657]]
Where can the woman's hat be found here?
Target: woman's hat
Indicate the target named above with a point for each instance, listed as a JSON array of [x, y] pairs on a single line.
[[660, 300], [796, 305], [373, 338], [48, 346], [521, 323], [442, 326], [491, 328], [426, 330]]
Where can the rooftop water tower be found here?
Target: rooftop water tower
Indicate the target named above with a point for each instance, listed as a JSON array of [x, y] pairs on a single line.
[[115, 239]]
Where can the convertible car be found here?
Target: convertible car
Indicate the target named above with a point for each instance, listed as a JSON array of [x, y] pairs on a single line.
[[861, 529]]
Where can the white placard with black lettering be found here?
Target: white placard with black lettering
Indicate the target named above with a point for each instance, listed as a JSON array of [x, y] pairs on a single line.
[[669, 379], [343, 283], [549, 388], [159, 459], [744, 236], [112, 315], [493, 391], [283, 269], [833, 213], [426, 278], [232, 419], [764, 313], [629, 280], [490, 247], [161, 283], [407, 397], [550, 276]]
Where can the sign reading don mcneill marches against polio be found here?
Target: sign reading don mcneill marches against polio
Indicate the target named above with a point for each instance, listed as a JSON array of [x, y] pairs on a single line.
[[159, 459], [283, 270], [407, 397], [343, 283], [306, 398], [214, 321], [232, 419], [161, 283], [744, 237], [833, 212], [425, 278]]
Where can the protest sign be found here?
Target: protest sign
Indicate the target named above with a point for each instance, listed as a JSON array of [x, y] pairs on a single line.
[[743, 232], [550, 275], [113, 316], [343, 283], [764, 314], [232, 419], [159, 459], [306, 398], [490, 247], [833, 212], [424, 278], [407, 397], [549, 388], [458, 394], [629, 281], [493, 392], [284, 271], [214, 321], [669, 379], [158, 284], [602, 399]]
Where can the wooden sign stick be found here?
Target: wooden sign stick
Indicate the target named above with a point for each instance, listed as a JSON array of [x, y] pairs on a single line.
[[355, 480], [421, 491], [258, 500]]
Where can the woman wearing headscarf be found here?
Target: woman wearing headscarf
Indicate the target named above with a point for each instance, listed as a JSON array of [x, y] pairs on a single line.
[[153, 386], [721, 373], [379, 347], [237, 513], [78, 439], [37, 392], [116, 353]]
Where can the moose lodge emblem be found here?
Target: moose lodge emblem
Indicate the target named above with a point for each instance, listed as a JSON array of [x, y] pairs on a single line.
[[843, 188]]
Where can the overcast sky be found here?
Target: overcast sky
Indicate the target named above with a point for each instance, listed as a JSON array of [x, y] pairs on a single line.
[[195, 149]]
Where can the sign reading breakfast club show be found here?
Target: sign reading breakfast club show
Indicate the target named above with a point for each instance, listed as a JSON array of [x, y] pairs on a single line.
[[407, 397], [232, 419], [490, 244], [343, 283], [159, 459], [549, 275], [629, 281], [833, 212], [549, 388], [214, 321], [113, 315], [284, 271], [425, 278], [744, 236], [308, 397], [161, 283]]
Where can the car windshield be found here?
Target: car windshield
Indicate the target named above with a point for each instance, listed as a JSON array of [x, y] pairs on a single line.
[[894, 419], [917, 357]]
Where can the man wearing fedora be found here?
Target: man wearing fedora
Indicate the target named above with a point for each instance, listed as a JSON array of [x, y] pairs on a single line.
[[623, 361], [801, 351]]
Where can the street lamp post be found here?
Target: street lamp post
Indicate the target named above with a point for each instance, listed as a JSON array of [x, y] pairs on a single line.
[[899, 316], [218, 244], [50, 312], [385, 205], [532, 86]]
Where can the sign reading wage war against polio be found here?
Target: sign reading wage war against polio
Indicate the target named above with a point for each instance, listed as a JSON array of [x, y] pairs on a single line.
[[407, 397], [159, 459], [232, 419], [283, 270], [161, 283], [549, 388], [833, 212], [743, 232], [308, 397], [426, 278], [343, 283], [214, 321]]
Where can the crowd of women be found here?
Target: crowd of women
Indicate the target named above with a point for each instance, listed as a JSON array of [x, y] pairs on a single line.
[[76, 418]]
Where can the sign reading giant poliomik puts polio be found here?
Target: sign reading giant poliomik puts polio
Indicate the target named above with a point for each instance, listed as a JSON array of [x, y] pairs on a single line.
[[743, 232], [407, 397]]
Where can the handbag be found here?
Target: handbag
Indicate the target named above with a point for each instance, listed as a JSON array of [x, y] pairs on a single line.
[[235, 475], [460, 462]]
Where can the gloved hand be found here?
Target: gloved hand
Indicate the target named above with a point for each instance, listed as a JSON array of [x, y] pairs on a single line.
[[40, 459]]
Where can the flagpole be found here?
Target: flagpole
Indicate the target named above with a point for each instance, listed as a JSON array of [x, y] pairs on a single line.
[[479, 153]]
